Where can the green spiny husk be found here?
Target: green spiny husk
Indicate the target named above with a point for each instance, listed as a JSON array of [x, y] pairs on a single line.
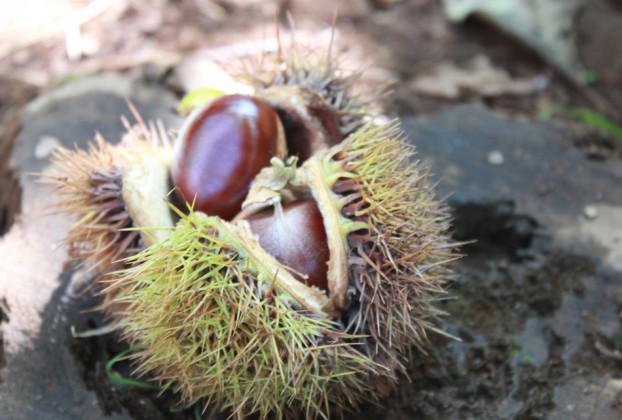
[[216, 330], [88, 187], [398, 265], [212, 330]]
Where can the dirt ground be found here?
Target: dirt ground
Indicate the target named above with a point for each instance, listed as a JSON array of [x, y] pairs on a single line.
[[515, 284]]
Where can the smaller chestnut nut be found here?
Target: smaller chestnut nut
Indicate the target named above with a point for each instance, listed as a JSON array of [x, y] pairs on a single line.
[[221, 148], [295, 235]]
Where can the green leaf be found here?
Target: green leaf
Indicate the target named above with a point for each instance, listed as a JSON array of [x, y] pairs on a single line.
[[118, 379], [598, 121], [197, 98], [586, 116], [590, 77], [177, 407]]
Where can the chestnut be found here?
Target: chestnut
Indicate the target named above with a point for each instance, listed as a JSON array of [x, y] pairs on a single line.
[[295, 235], [311, 296], [220, 149]]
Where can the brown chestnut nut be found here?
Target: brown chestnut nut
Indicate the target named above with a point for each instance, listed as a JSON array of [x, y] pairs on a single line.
[[296, 237], [221, 148]]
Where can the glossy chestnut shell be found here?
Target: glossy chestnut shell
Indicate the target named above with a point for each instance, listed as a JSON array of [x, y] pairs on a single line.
[[221, 148], [296, 238]]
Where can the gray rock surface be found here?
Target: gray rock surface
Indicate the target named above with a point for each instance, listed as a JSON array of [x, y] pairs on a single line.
[[543, 175], [540, 292]]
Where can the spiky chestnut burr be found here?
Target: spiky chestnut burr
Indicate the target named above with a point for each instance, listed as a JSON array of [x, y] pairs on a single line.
[[88, 187], [223, 320], [314, 98], [394, 234], [215, 317], [312, 94], [107, 190]]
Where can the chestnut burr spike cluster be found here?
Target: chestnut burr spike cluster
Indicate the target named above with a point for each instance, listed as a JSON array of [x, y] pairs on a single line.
[[301, 267]]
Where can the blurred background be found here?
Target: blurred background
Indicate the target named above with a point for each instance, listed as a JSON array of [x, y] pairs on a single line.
[[520, 56]]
